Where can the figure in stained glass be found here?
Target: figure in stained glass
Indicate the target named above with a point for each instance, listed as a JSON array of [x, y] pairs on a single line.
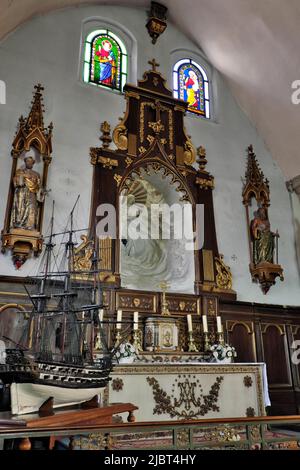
[[191, 85], [105, 60], [107, 63]]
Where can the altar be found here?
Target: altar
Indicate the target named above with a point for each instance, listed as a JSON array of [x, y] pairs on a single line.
[[193, 390]]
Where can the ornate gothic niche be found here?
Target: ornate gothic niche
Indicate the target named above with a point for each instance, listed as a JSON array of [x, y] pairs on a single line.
[[156, 24], [263, 243], [152, 146], [31, 149]]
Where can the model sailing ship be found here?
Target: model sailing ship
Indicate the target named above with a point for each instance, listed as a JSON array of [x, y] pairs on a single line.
[[63, 328]]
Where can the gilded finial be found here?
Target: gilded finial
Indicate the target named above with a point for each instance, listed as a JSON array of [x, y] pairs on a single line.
[[105, 138], [201, 160]]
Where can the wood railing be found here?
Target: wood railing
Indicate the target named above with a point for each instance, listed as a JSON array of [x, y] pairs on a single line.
[[235, 433]]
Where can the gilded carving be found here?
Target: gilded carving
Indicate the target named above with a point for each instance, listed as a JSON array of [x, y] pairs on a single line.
[[142, 117], [119, 136], [189, 154], [190, 402], [157, 126], [128, 161], [205, 183], [105, 137], [83, 254], [225, 433], [118, 179], [94, 156], [183, 438], [108, 162], [143, 302], [142, 149], [224, 276]]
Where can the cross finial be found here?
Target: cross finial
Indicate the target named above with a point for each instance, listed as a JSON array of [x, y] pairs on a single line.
[[154, 64]]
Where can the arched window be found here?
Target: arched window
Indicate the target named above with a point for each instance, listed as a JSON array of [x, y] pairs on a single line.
[[105, 60], [190, 83]]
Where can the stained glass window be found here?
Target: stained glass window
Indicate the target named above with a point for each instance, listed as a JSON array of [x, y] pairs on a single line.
[[190, 83], [105, 60]]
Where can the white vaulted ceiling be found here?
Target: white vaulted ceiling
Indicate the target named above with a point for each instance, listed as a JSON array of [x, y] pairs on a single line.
[[254, 43]]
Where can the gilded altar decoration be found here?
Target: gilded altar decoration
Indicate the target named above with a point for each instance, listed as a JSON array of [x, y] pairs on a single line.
[[83, 255], [222, 433], [187, 400], [31, 152], [120, 135], [105, 137], [224, 276], [161, 334], [156, 23], [263, 242]]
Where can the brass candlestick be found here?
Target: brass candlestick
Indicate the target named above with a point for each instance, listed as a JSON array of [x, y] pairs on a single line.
[[137, 340], [221, 337], [118, 338], [192, 346], [164, 304], [206, 341]]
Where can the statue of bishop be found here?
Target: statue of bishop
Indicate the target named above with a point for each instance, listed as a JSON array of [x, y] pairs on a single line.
[[28, 195]]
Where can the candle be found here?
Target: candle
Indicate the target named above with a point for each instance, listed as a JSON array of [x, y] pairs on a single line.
[[100, 315], [204, 323], [135, 321], [119, 319], [189, 322], [219, 325]]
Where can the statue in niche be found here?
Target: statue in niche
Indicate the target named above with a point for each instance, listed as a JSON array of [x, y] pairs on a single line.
[[263, 238], [28, 194], [144, 258]]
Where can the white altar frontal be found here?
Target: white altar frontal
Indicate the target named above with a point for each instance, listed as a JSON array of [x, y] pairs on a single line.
[[175, 391]]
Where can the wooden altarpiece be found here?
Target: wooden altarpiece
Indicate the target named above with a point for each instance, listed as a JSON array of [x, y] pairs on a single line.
[[151, 135]]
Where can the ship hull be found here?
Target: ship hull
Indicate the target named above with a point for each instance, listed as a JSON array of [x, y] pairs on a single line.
[[29, 397]]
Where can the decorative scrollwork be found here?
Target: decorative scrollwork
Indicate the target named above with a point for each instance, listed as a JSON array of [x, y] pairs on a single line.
[[189, 155], [222, 433], [120, 137], [224, 276], [187, 405], [83, 255]]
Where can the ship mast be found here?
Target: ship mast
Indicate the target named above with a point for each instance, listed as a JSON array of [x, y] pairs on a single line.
[[41, 296], [67, 294]]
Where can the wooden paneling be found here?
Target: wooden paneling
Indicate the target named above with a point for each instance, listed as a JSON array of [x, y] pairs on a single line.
[[276, 354], [241, 336]]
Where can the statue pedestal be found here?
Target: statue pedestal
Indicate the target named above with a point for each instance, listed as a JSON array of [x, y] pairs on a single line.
[[161, 334]]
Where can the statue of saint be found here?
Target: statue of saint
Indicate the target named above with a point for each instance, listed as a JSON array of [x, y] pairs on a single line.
[[263, 238], [27, 196], [143, 259]]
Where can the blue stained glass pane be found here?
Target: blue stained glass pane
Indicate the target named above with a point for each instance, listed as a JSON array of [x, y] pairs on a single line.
[[190, 85]]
